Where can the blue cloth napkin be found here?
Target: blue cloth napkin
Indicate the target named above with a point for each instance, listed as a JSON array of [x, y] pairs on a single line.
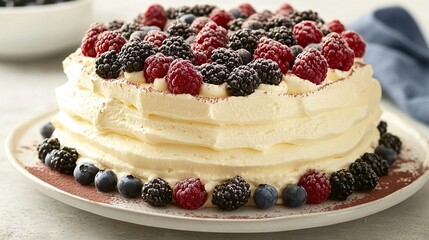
[[399, 55]]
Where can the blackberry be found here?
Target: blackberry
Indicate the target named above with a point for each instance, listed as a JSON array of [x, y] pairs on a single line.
[[391, 141], [213, 73], [128, 28], [180, 29], [170, 12], [379, 165], [283, 35], [342, 184], [201, 10], [177, 48], [325, 31], [365, 177], [306, 15], [107, 65], [174, 13], [232, 194], [47, 146], [235, 24], [64, 160], [281, 21], [382, 127], [157, 193], [226, 57], [242, 81], [243, 38], [260, 33], [133, 54], [268, 71], [115, 25], [252, 24]]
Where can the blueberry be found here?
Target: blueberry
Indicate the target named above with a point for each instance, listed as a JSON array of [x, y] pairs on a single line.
[[48, 158], [150, 28], [386, 153], [265, 196], [316, 46], [187, 18], [47, 130], [236, 13], [294, 196], [138, 36], [85, 173], [252, 24], [105, 180], [246, 56], [130, 186]]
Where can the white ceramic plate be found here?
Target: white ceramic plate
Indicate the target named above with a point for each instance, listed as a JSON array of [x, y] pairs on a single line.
[[405, 178]]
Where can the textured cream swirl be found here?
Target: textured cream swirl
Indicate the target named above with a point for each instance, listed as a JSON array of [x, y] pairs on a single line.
[[271, 136]]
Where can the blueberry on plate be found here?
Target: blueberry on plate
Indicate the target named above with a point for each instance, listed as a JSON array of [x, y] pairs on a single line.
[[386, 153], [48, 158], [105, 180], [294, 196], [265, 196], [47, 130], [130, 186], [85, 173]]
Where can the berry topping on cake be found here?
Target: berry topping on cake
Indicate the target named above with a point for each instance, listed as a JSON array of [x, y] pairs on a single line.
[[296, 50], [202, 9], [157, 192], [382, 127], [183, 78], [154, 16], [335, 26], [156, 66], [180, 29], [47, 129], [235, 24], [246, 56], [47, 146], [355, 42], [134, 54], [85, 173], [190, 193], [265, 196], [378, 164], [336, 51], [365, 178], [306, 32], [342, 184], [271, 49], [316, 184], [309, 15], [64, 160], [108, 41], [214, 73], [294, 196], [130, 186], [232, 194], [391, 141], [199, 23], [243, 81], [243, 38], [90, 38], [209, 38], [386, 153], [177, 48], [311, 65], [227, 57], [115, 25], [105, 180], [107, 66], [268, 71], [221, 17], [246, 9], [282, 34], [156, 37]]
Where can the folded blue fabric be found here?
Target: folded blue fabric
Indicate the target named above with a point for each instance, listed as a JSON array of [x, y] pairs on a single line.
[[399, 55]]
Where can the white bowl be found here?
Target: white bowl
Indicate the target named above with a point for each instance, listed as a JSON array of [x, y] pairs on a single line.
[[38, 31]]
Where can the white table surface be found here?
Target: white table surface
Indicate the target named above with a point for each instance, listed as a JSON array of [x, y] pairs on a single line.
[[26, 89]]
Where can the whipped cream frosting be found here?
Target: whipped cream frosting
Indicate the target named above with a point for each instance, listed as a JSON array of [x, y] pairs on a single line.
[[271, 136]]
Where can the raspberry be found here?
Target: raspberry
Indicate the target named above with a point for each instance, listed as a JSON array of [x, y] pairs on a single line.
[[156, 37], [235, 24], [365, 177], [285, 9], [342, 184], [214, 73], [157, 192], [64, 160], [317, 185], [232, 194], [355, 42], [311, 65], [129, 28], [91, 36], [246, 8], [242, 81], [298, 17], [336, 51], [177, 48], [243, 38], [271, 49], [107, 66], [226, 57], [46, 147], [200, 10], [156, 66], [391, 141], [335, 26], [154, 16], [306, 32], [382, 127], [283, 35], [379, 165], [180, 29], [280, 21], [200, 58], [199, 23], [183, 78], [133, 55], [190, 193], [115, 25], [209, 38], [221, 17], [108, 41], [268, 71]]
